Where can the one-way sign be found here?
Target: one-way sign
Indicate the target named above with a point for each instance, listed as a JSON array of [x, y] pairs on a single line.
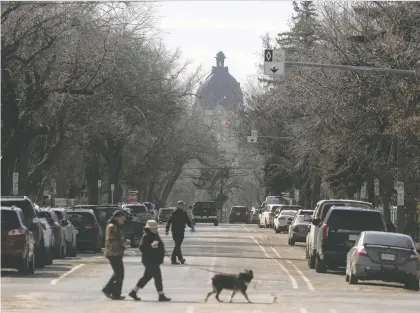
[[274, 62]]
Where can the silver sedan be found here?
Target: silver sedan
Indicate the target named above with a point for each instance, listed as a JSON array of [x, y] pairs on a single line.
[[384, 256]]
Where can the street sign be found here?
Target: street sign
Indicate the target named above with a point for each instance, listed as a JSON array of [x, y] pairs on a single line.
[[53, 183], [112, 187], [274, 60], [15, 189], [376, 183], [297, 195], [15, 177], [132, 197], [400, 193], [363, 191], [99, 183]]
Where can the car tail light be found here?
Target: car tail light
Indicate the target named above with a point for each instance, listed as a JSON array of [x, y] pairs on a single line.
[[16, 232], [413, 257], [361, 252], [325, 230]]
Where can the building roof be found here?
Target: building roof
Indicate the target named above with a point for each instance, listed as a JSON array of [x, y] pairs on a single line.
[[220, 88]]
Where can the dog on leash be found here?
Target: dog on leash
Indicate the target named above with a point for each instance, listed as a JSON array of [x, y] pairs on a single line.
[[231, 282]]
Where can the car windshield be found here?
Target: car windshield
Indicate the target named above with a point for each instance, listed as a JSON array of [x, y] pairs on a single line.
[[355, 220], [138, 209], [388, 239], [9, 220], [26, 207], [239, 209], [287, 213], [81, 218]]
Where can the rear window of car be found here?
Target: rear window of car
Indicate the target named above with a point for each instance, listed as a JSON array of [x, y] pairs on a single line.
[[9, 220], [25, 205], [355, 220], [301, 219], [46, 215], [137, 208], [59, 214], [239, 209], [81, 218], [204, 206], [389, 239], [288, 213], [327, 207]]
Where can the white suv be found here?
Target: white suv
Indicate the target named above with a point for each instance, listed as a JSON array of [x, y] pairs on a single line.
[[320, 212]]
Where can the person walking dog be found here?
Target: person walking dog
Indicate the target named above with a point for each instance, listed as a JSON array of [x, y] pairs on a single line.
[[114, 252], [178, 220], [152, 254]]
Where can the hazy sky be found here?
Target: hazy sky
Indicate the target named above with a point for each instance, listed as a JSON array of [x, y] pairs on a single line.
[[203, 28]]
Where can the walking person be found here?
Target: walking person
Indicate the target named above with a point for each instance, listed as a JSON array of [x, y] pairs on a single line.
[[152, 255], [178, 220], [114, 252]]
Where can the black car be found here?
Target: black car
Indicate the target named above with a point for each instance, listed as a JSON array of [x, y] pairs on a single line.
[[32, 222], [239, 214], [340, 230], [89, 232], [205, 212]]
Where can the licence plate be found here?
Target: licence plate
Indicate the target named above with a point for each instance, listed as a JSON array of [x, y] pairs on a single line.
[[353, 237], [238, 213], [387, 257]]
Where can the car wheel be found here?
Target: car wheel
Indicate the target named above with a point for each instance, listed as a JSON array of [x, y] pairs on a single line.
[[347, 278], [292, 242], [216, 223], [71, 249], [353, 279], [277, 230], [98, 248], [23, 268], [311, 261], [48, 256], [412, 284], [320, 265], [40, 257], [63, 252]]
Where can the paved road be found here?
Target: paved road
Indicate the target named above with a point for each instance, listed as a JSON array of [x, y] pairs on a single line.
[[283, 282]]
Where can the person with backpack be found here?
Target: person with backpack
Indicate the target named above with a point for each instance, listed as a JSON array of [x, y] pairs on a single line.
[[178, 220], [114, 252], [152, 254]]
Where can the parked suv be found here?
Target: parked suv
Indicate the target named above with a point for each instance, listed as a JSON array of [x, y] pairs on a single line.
[[89, 233], [320, 212], [338, 233], [70, 231], [239, 214], [32, 222], [17, 241]]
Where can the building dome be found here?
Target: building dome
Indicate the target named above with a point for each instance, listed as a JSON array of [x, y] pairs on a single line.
[[220, 88]]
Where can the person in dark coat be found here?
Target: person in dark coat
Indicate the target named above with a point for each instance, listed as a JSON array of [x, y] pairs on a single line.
[[178, 220], [152, 255], [114, 252]]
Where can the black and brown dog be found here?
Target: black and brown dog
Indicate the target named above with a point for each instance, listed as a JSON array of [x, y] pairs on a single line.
[[231, 282]]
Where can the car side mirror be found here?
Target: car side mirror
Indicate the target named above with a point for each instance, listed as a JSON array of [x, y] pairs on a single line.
[[64, 222], [316, 221]]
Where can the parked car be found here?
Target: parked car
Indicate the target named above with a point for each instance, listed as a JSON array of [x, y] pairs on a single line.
[[254, 217], [205, 212], [138, 210], [320, 212], [49, 237], [239, 214], [60, 250], [267, 215], [70, 231], [17, 241], [32, 222], [384, 256], [338, 233], [89, 232], [164, 214], [299, 227], [283, 220]]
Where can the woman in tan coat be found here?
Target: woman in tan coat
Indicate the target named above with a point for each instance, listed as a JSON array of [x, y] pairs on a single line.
[[114, 252]]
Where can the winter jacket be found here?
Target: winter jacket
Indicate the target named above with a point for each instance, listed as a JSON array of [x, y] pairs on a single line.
[[114, 240], [151, 256], [178, 220]]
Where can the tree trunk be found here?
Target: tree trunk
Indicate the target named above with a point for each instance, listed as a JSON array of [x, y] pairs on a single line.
[[92, 176], [114, 160], [22, 168], [170, 184], [316, 190]]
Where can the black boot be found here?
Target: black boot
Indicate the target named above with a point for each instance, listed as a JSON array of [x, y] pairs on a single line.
[[183, 261], [133, 294], [163, 298], [106, 293]]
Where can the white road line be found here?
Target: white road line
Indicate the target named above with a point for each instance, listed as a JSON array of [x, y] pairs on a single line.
[[55, 281], [305, 279], [245, 228], [303, 310], [190, 309], [292, 279], [254, 230], [260, 237]]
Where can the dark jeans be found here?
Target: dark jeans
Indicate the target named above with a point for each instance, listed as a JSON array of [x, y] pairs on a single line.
[[178, 239], [114, 284], [150, 272]]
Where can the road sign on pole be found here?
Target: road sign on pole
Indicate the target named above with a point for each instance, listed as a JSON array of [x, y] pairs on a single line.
[[15, 183], [400, 193], [274, 60], [54, 186], [99, 183], [253, 136], [363, 191], [112, 187], [376, 183], [297, 195]]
